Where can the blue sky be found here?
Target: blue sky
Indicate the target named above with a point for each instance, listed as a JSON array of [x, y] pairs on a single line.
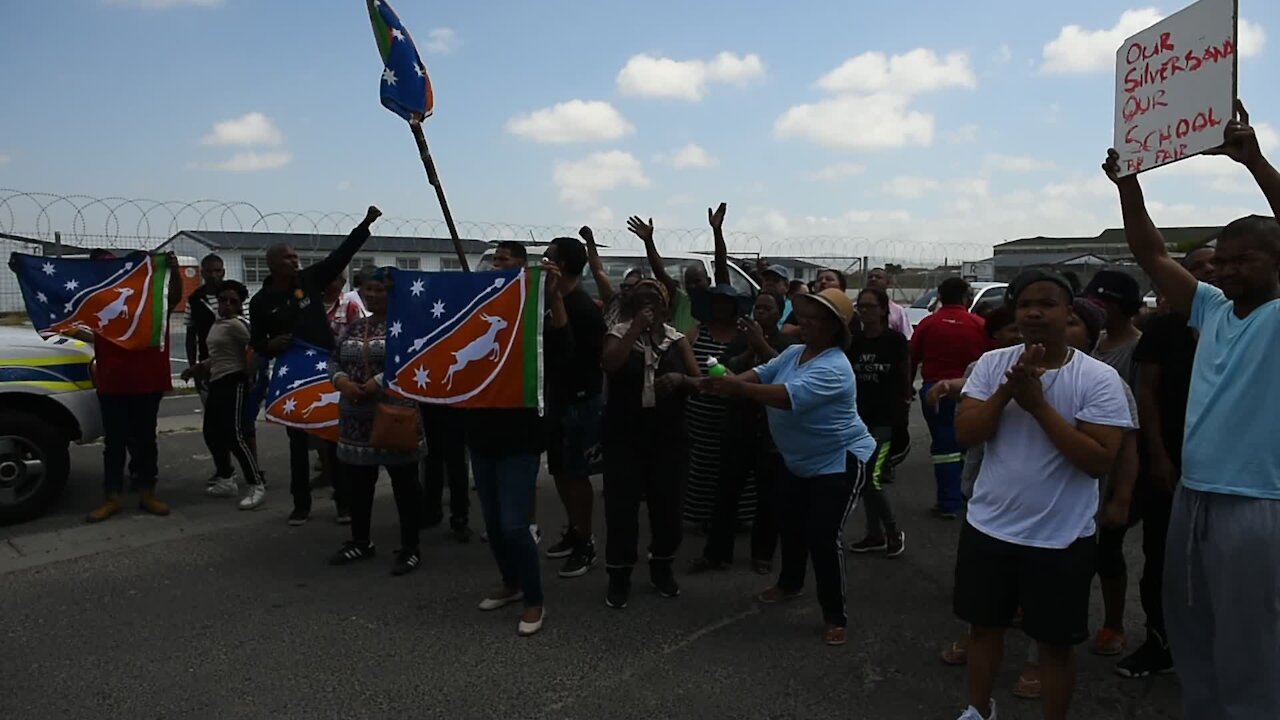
[[959, 130]]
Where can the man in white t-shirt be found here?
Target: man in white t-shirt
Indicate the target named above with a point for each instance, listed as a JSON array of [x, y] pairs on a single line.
[[1053, 420]]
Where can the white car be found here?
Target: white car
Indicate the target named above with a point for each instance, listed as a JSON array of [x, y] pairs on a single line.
[[984, 293], [618, 262], [47, 401]]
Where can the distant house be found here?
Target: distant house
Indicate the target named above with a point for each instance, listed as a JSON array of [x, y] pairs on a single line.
[[245, 253], [800, 269], [1085, 256]]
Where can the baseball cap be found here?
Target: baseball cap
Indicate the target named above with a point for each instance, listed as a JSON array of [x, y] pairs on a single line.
[[779, 270], [1117, 287], [1031, 277]]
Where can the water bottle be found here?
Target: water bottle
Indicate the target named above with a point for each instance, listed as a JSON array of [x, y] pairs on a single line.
[[715, 369]]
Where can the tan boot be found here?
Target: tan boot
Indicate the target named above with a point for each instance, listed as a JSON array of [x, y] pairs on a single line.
[[152, 504], [110, 506]]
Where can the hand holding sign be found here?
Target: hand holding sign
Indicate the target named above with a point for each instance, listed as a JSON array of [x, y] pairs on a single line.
[[1240, 142]]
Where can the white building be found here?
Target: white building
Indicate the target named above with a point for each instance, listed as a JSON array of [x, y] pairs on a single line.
[[245, 253]]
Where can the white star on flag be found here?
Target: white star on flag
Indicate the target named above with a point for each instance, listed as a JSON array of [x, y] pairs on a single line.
[[417, 288], [422, 72], [396, 327], [128, 265], [41, 297], [284, 370], [48, 269], [289, 406], [68, 307], [72, 284], [322, 366], [388, 77], [311, 353], [437, 310], [395, 33], [420, 377]]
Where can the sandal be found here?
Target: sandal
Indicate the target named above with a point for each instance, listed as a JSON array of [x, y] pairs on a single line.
[[1028, 686], [957, 654], [834, 635]]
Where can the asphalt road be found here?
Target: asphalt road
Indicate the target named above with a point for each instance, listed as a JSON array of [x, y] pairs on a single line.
[[215, 613]]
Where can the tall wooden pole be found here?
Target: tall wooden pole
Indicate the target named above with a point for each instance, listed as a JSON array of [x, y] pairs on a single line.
[[432, 177]]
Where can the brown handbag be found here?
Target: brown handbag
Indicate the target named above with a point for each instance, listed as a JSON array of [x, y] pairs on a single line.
[[396, 428]]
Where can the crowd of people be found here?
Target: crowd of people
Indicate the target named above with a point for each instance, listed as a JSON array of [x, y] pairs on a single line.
[[1056, 425]]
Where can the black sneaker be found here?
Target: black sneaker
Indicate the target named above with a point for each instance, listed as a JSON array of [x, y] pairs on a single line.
[[897, 543], [665, 584], [1152, 658], [461, 530], [564, 547], [619, 591], [406, 562], [869, 544], [352, 552], [299, 517], [580, 562]]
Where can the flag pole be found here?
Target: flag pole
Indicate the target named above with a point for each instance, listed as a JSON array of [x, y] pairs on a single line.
[[429, 165]]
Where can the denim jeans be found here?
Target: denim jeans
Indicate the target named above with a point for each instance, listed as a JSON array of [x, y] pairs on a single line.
[[505, 485]]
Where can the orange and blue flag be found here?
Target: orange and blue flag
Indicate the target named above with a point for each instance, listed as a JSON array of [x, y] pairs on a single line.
[[405, 88], [470, 340], [122, 300], [300, 395]]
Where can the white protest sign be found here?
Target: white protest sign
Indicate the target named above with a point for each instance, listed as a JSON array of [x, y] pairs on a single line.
[[1175, 86]]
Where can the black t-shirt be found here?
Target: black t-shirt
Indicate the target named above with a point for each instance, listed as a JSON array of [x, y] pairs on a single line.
[[202, 306], [1170, 344], [579, 377], [880, 365], [627, 421]]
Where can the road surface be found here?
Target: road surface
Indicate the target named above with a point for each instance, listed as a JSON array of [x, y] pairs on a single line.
[[215, 613]]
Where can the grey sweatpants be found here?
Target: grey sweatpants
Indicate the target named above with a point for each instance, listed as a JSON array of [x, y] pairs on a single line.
[[1222, 604]]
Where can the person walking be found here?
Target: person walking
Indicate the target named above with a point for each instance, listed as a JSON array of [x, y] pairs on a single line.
[[942, 347], [810, 394], [355, 367]]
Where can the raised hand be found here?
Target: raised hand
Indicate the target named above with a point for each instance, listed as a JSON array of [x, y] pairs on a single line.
[[640, 228], [716, 217], [551, 278], [1240, 142], [372, 214], [1112, 166], [755, 333], [588, 237]]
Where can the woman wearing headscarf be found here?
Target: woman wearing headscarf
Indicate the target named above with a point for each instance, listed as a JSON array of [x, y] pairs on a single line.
[[811, 398], [650, 369], [355, 367]]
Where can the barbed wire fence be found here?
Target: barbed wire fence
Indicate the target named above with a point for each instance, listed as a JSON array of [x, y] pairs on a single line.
[[81, 222]]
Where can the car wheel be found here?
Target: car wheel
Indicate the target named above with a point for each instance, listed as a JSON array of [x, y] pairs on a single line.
[[34, 464]]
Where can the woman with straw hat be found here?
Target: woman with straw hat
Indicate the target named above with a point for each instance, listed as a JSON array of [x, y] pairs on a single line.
[[810, 395]]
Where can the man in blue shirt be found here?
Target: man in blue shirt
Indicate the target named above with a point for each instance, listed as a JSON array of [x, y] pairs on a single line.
[[1222, 574]]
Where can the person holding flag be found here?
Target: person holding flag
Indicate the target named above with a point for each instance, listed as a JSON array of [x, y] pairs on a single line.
[[291, 305]]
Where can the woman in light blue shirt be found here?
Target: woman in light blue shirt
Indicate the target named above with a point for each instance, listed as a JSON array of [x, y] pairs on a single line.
[[810, 394]]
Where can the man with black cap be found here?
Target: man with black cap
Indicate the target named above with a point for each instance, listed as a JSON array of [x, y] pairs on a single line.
[[1223, 574], [1053, 421]]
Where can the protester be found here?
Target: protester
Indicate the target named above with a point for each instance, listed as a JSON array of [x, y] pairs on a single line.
[[341, 309], [355, 367], [130, 385], [811, 399], [777, 279], [1121, 299], [881, 363], [612, 301], [1052, 419], [1164, 358], [506, 447], [290, 306], [574, 408], [695, 276], [746, 426], [943, 346], [878, 279], [651, 368], [829, 278], [1220, 592], [199, 315], [226, 372]]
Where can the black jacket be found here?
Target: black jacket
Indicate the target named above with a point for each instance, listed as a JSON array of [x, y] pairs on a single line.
[[299, 310]]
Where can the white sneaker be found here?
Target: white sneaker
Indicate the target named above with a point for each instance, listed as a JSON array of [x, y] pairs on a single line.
[[254, 498], [971, 713], [495, 603], [525, 629], [536, 533], [224, 487]]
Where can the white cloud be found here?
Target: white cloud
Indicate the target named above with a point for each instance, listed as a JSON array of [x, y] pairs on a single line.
[[1004, 55], [838, 171], [344, 186], [659, 77], [600, 216], [166, 4], [693, 156], [912, 73], [910, 187], [250, 129], [1014, 164], [442, 41], [4, 159], [1079, 50], [582, 181], [963, 135], [873, 122], [572, 121], [1268, 137], [246, 162]]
